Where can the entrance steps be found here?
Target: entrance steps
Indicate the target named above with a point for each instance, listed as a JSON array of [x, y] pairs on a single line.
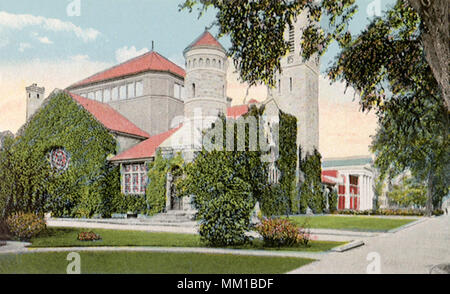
[[172, 217]]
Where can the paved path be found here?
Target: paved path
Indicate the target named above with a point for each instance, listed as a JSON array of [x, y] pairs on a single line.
[[188, 228], [131, 226], [413, 250], [312, 255]]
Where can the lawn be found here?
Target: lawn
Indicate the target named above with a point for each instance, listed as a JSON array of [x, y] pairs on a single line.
[[67, 237], [148, 263], [354, 223]]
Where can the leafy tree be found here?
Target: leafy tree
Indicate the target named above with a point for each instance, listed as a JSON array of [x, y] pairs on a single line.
[[226, 184], [408, 193], [23, 184], [256, 31], [413, 135]]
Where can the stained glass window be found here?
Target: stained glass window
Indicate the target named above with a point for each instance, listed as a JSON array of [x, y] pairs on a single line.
[[59, 159], [134, 178]]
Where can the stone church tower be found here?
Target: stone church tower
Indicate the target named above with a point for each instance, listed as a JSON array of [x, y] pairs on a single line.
[[35, 97], [206, 78], [297, 90]]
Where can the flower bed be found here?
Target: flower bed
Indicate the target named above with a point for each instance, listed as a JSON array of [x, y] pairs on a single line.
[[282, 232], [88, 236]]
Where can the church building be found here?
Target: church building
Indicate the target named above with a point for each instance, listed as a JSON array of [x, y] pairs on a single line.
[[149, 103]]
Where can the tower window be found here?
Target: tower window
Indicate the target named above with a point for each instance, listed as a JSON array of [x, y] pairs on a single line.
[[37, 96], [290, 84], [291, 40], [279, 86], [29, 95], [193, 90]]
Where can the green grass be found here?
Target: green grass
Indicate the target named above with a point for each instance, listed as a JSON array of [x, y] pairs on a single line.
[[148, 263], [67, 237], [354, 223]]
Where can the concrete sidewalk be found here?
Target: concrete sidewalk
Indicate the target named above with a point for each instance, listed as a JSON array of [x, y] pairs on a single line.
[[189, 228], [413, 250]]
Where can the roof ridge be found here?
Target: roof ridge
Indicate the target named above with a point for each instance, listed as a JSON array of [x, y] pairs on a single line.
[[110, 68], [167, 59], [76, 97]]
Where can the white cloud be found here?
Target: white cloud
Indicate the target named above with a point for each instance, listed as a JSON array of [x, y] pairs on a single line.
[[125, 53], [24, 46], [20, 21], [51, 74], [44, 40]]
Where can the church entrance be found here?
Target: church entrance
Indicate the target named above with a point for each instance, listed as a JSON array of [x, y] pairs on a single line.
[[175, 202]]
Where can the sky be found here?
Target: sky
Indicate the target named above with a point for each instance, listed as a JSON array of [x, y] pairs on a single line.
[[55, 43]]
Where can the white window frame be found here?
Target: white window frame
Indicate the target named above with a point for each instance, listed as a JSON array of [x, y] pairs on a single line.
[[129, 171], [141, 87]]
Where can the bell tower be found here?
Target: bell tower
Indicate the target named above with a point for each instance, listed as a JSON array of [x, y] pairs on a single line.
[[35, 97], [297, 87]]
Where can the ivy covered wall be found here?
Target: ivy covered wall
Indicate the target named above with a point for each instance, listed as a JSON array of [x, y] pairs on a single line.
[[90, 183], [287, 162], [311, 191]]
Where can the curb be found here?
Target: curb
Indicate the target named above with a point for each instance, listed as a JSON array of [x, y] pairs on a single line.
[[349, 246], [421, 220]]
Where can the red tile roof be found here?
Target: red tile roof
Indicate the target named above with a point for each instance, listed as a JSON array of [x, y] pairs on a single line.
[[206, 39], [237, 111], [150, 61], [108, 117], [145, 149]]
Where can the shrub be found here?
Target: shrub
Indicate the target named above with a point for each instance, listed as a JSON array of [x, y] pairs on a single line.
[[88, 236], [282, 232], [25, 226], [225, 220]]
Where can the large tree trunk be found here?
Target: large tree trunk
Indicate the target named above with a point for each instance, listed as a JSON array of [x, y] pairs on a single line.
[[429, 205], [435, 18]]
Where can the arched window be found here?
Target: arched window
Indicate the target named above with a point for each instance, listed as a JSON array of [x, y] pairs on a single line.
[[189, 65], [200, 63], [207, 62], [214, 63], [290, 84], [274, 175], [193, 90], [291, 40], [220, 64], [195, 63]]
